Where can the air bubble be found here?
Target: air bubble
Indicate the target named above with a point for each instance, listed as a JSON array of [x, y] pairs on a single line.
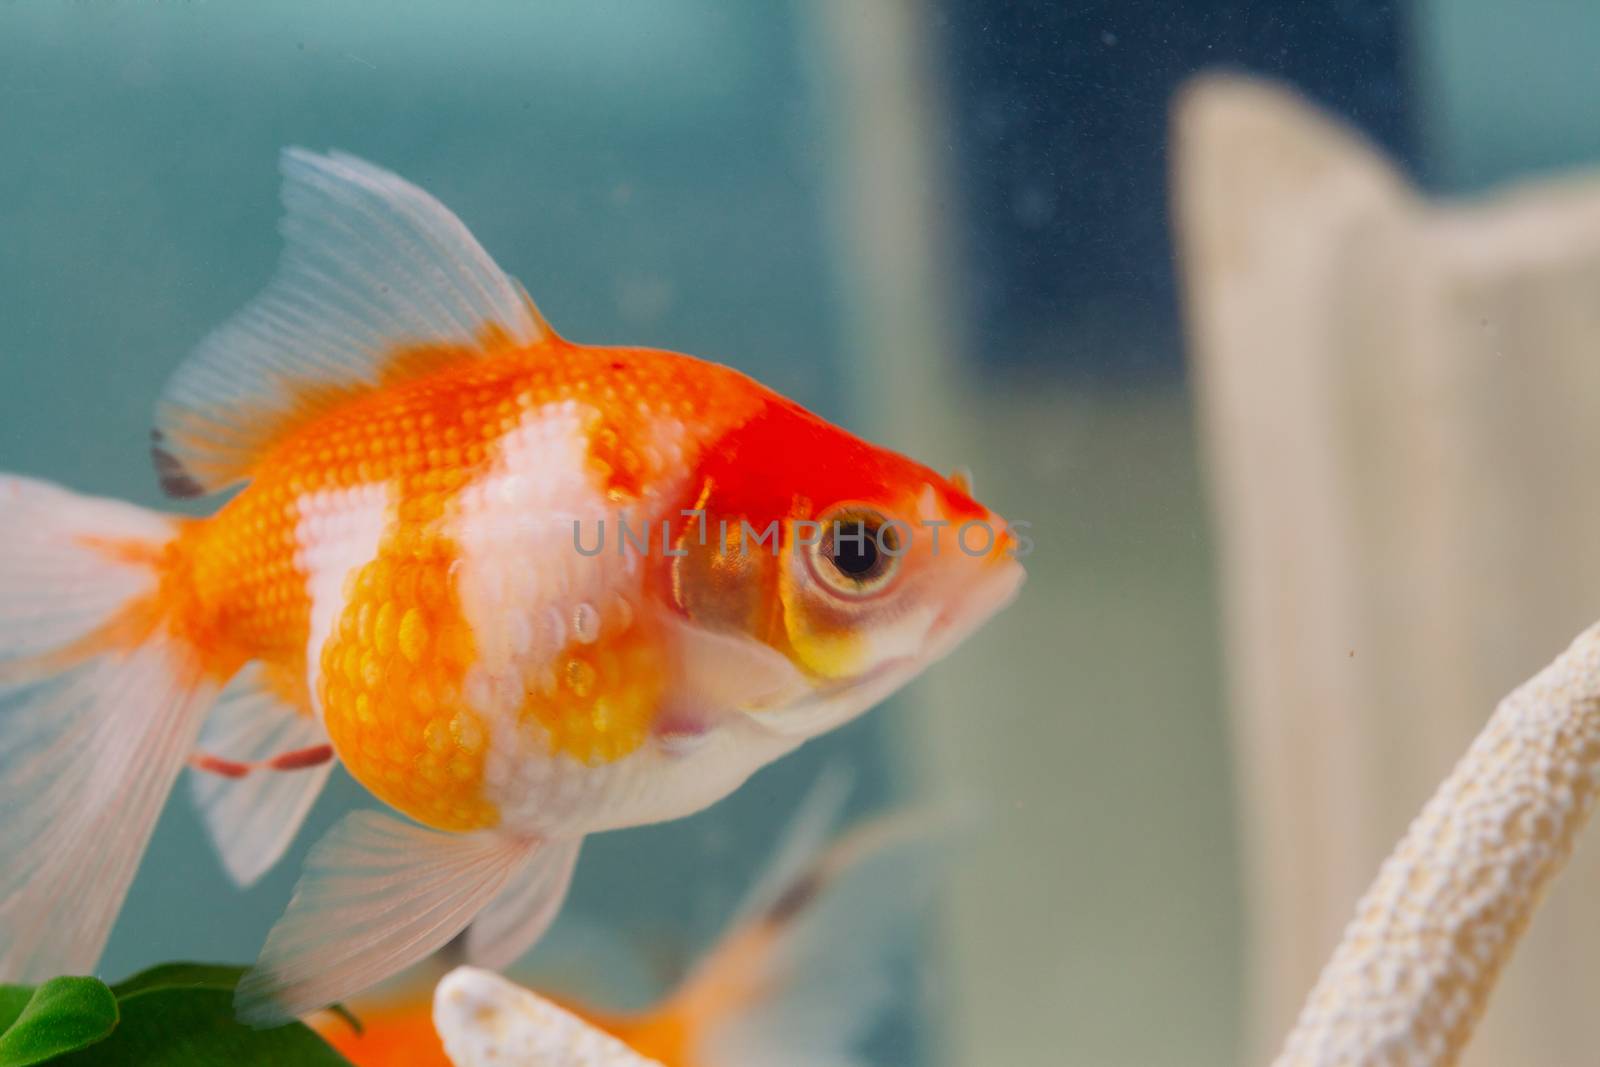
[[586, 623]]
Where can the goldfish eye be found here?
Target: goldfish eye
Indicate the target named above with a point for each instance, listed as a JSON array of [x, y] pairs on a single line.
[[857, 553]]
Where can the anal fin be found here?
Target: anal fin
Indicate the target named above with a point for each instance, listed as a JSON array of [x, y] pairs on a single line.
[[253, 817], [377, 895]]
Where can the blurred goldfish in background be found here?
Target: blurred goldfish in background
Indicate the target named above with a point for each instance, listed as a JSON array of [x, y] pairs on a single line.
[[801, 975], [409, 581]]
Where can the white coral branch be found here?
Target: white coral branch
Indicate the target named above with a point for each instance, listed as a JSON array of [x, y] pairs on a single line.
[[1415, 967]]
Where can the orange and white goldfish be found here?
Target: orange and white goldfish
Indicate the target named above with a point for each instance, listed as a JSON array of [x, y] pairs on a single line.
[[409, 581], [801, 974]]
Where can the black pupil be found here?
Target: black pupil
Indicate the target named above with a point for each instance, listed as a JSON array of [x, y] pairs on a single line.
[[855, 549]]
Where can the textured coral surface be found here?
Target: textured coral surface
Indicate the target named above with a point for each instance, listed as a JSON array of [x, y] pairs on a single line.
[[1416, 965]]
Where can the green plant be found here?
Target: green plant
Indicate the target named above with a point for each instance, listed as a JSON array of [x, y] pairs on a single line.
[[173, 1015]]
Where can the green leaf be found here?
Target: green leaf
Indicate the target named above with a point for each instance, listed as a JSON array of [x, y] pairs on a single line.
[[180, 976], [191, 1026], [200, 976], [61, 1016], [13, 998], [173, 1015]]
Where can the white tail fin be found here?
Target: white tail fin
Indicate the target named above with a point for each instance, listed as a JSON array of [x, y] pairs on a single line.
[[800, 981], [253, 818], [377, 895], [99, 707]]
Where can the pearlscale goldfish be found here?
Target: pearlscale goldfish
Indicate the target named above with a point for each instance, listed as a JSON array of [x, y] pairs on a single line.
[[800, 976], [408, 581]]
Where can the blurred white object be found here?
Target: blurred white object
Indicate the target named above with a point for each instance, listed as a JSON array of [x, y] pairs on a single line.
[[486, 1021], [1399, 400]]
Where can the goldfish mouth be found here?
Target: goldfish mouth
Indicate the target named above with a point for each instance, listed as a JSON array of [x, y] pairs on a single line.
[[986, 598]]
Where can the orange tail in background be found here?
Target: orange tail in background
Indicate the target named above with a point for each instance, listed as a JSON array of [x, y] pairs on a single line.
[[802, 975], [102, 693]]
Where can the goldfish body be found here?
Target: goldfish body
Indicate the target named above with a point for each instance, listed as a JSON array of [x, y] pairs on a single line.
[[409, 580]]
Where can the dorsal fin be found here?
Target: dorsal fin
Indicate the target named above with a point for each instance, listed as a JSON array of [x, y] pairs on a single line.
[[374, 273]]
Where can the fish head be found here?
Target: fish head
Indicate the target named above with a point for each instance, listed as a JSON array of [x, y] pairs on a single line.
[[838, 573]]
